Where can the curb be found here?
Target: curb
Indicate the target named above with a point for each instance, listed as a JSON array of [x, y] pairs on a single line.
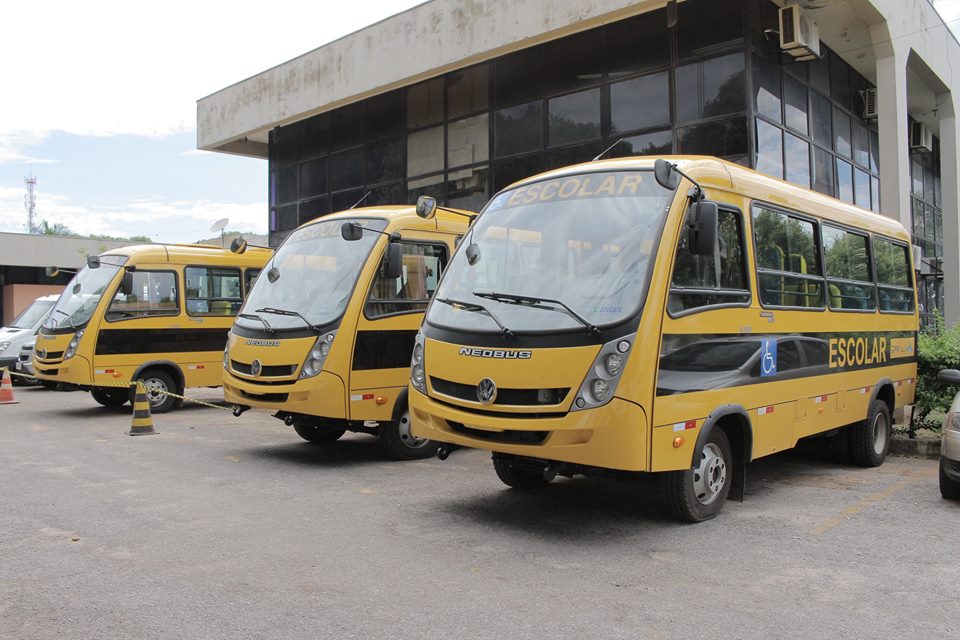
[[919, 447]]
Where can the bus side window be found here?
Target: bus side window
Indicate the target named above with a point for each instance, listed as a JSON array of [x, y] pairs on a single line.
[[894, 279], [422, 266], [847, 259], [718, 279], [213, 291], [788, 262], [154, 294]]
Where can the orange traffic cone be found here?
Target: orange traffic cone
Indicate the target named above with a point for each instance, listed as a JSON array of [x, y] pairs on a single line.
[[142, 424], [6, 389]]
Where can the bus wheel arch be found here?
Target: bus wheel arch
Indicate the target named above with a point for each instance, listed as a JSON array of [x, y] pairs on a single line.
[[395, 436], [869, 439], [166, 369], [734, 420]]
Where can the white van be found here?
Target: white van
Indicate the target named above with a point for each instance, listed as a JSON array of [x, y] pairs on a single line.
[[23, 330]]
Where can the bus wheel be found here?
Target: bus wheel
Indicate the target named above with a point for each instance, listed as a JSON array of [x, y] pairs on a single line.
[[699, 494], [110, 397], [870, 439], [317, 435], [158, 383], [398, 442], [517, 477]]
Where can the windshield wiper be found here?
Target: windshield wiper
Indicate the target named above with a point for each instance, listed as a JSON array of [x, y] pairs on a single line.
[[534, 302], [286, 312], [479, 308], [252, 316], [72, 326]]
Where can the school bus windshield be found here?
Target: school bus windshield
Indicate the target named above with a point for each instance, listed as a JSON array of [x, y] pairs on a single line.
[[584, 240], [313, 273], [82, 295]]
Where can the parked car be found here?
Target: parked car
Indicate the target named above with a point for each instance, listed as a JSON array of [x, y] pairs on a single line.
[[23, 330], [950, 441], [24, 364]]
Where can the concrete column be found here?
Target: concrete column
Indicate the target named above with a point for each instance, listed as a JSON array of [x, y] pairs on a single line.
[[950, 187], [894, 137]]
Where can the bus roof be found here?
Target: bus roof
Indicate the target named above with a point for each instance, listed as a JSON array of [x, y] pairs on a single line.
[[729, 176], [404, 217], [193, 253]]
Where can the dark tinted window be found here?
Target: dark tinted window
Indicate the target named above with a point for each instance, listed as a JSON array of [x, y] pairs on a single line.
[[646, 144], [638, 43], [518, 128], [468, 91], [795, 105], [844, 181], [383, 114], [468, 141], [310, 209], [822, 171], [797, 160], [346, 126], [725, 138], [769, 149], [566, 156], [467, 188], [640, 103], [766, 88], [313, 178], [820, 119], [841, 133], [710, 88], [861, 188], [861, 145], [574, 117], [509, 170], [287, 218], [840, 81], [346, 169], [288, 183], [314, 134], [704, 26], [575, 61], [384, 161], [519, 76], [425, 103]]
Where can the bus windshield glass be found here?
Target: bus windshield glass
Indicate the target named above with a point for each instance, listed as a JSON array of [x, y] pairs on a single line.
[[310, 278], [545, 253], [82, 295]]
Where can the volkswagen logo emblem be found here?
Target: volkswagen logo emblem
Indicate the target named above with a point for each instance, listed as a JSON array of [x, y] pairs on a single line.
[[487, 391], [255, 368], [43, 354]]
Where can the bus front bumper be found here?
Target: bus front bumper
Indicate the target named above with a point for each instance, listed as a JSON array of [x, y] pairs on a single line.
[[75, 371], [322, 395], [613, 436]]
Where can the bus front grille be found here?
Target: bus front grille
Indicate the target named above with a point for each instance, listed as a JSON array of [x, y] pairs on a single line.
[[266, 371], [265, 397], [508, 397]]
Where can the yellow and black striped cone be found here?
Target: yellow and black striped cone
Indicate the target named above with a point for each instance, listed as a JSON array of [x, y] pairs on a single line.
[[142, 424]]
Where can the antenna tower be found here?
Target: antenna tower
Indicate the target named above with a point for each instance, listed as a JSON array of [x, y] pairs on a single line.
[[30, 203]]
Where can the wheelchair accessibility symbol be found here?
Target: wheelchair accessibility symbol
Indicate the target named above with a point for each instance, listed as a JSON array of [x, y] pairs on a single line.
[[768, 357]]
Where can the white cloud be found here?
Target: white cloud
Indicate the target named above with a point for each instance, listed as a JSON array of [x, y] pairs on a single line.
[[162, 221]]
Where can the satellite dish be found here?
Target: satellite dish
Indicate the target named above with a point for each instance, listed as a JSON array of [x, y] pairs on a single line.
[[220, 225]]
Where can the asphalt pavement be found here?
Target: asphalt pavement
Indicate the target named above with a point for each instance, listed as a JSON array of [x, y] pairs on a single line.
[[223, 527]]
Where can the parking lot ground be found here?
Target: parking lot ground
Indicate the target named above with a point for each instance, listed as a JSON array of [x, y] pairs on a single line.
[[220, 527]]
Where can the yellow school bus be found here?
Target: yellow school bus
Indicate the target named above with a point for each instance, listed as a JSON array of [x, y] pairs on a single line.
[[326, 336], [156, 313], [679, 316]]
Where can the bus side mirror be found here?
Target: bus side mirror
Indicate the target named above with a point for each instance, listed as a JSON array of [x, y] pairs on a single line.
[[351, 231], [238, 246], [126, 284], [93, 262], [665, 175], [703, 227], [51, 272], [394, 268], [950, 376], [426, 207]]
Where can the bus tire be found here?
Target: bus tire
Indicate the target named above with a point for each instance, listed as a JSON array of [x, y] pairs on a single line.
[[157, 383], [870, 439], [517, 477], [317, 435], [949, 488], [110, 397], [698, 494], [399, 443]]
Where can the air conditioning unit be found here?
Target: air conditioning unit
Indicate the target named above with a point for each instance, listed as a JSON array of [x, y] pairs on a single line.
[[921, 138], [869, 104], [799, 34]]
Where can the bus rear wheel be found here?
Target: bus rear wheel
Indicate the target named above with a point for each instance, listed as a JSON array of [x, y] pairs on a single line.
[[158, 383], [870, 439], [517, 477], [398, 442], [110, 397], [317, 435], [698, 494]]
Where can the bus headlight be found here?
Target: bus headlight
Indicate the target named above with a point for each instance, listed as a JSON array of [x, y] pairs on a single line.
[[3, 346], [598, 387], [313, 365], [418, 376], [72, 347]]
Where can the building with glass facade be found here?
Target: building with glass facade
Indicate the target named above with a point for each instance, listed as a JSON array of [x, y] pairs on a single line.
[[394, 111]]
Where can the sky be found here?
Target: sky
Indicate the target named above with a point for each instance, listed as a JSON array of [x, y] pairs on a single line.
[[99, 104]]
